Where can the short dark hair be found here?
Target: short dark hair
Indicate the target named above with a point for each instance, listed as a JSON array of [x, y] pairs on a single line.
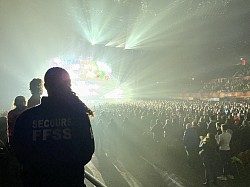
[[20, 101], [56, 80], [36, 86]]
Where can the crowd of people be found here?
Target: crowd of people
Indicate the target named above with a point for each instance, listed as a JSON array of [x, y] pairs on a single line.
[[243, 71], [234, 84], [206, 131], [153, 126], [237, 82], [46, 141], [10, 171]]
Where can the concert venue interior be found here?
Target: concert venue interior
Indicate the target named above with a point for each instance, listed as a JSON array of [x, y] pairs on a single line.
[[147, 56]]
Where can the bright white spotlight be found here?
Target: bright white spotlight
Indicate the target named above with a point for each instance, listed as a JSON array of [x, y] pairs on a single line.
[[93, 42]]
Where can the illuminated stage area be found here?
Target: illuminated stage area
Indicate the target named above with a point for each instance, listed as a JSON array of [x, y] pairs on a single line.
[[91, 80]]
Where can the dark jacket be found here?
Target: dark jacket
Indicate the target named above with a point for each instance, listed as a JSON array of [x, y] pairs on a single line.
[[191, 139], [211, 128], [209, 150], [54, 141]]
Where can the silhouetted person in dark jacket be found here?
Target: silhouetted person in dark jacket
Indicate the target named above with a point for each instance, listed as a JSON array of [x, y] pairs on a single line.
[[191, 142], [3, 130], [20, 106], [209, 154], [211, 127]]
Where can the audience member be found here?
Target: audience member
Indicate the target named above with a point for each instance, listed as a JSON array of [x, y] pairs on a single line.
[[3, 130], [211, 127], [158, 132], [191, 143], [20, 106], [36, 89], [208, 153], [225, 153]]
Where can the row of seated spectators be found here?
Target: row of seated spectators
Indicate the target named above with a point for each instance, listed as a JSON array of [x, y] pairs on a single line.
[[237, 82], [234, 84], [243, 71]]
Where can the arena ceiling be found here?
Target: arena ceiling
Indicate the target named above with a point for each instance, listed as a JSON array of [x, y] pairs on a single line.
[[144, 40]]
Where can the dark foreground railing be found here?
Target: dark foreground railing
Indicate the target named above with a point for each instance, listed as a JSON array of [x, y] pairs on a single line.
[[93, 180]]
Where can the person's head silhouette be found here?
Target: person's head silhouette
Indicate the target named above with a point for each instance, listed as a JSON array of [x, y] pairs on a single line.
[[36, 89], [56, 81], [20, 101], [36, 86]]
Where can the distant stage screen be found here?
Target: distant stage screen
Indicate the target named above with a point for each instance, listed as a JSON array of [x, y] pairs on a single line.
[[84, 69], [89, 78]]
